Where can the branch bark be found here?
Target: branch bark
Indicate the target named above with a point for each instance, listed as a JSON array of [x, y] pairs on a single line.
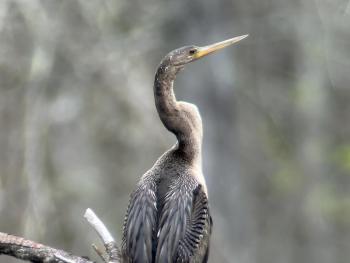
[[24, 249], [32, 251]]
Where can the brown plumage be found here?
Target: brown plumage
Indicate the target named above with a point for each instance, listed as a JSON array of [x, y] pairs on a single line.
[[168, 218]]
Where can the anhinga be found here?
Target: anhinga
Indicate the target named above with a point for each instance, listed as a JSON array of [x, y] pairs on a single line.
[[168, 217]]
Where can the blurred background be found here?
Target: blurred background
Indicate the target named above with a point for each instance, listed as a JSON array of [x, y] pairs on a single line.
[[78, 126]]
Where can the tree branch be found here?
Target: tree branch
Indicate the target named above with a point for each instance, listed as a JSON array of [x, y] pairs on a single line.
[[24, 249], [107, 239], [28, 250]]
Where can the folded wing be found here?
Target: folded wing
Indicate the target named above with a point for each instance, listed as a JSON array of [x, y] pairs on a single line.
[[184, 226], [140, 223]]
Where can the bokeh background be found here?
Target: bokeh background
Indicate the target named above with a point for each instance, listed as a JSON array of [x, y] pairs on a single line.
[[78, 125]]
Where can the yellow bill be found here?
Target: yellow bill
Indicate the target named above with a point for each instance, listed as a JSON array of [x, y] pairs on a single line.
[[203, 51]]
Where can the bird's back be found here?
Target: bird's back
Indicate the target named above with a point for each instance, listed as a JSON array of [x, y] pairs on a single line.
[[168, 216]]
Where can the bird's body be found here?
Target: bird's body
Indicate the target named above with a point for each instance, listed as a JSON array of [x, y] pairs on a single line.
[[168, 218], [165, 229]]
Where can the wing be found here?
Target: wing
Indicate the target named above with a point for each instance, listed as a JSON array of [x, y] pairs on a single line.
[[140, 223], [194, 246], [183, 223]]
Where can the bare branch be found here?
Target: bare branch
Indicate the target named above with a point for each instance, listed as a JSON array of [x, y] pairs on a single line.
[[108, 241], [24, 249], [100, 253], [98, 225]]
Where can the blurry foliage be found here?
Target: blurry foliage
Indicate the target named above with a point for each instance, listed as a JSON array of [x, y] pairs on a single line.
[[341, 157], [333, 205], [286, 181]]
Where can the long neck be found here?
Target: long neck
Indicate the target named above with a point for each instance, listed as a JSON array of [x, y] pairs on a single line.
[[177, 117]]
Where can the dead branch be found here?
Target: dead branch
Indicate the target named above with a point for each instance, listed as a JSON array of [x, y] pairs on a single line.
[[107, 239], [24, 249], [28, 250]]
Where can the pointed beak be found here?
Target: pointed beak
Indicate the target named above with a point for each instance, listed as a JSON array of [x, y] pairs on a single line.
[[206, 50]]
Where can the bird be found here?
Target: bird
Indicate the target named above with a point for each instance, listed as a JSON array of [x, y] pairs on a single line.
[[168, 218]]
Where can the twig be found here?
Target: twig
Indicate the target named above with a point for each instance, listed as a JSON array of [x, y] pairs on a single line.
[[107, 239], [24, 249], [98, 225], [100, 253]]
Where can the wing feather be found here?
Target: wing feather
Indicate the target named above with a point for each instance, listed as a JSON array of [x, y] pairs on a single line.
[[183, 224], [172, 225], [195, 243], [140, 223]]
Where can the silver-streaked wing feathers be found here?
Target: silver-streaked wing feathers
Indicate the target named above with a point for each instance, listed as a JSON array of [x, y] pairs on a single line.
[[195, 243], [140, 224], [173, 221], [183, 225]]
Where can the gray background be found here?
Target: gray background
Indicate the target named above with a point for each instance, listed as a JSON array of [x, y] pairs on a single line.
[[78, 125]]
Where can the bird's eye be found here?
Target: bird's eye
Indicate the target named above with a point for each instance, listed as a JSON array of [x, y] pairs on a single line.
[[192, 51]]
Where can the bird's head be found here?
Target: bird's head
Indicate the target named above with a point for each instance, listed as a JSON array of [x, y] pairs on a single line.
[[178, 58]]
